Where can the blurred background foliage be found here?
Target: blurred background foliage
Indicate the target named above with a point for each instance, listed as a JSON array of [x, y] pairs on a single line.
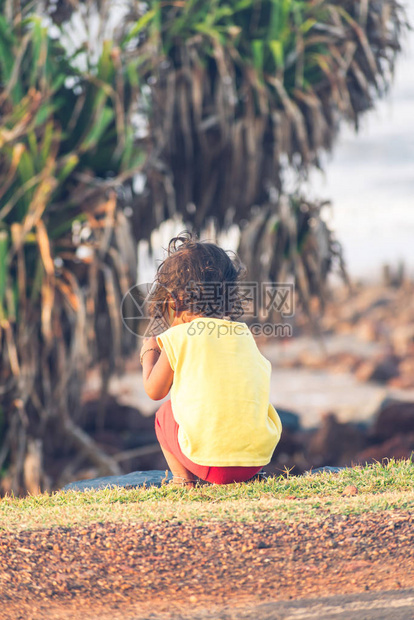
[[67, 255], [117, 116]]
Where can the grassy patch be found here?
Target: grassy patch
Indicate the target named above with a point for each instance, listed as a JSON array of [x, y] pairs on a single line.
[[380, 487]]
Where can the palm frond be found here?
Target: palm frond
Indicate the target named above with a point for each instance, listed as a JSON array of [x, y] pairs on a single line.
[[241, 93], [66, 250]]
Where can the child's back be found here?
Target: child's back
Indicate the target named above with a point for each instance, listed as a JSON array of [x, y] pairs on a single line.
[[219, 424], [220, 393]]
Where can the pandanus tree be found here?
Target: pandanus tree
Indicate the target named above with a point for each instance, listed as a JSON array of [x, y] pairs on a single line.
[[66, 251], [214, 104], [244, 93]]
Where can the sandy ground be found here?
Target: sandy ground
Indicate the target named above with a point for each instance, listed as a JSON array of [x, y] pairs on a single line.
[[174, 570]]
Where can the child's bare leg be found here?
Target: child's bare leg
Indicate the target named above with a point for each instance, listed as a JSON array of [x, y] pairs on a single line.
[[181, 475]]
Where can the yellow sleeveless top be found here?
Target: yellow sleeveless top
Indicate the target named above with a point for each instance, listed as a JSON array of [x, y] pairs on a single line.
[[220, 393]]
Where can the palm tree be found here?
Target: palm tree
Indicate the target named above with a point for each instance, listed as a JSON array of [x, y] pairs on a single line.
[[243, 92]]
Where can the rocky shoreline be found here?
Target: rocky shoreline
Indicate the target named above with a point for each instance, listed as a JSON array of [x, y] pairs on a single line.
[[379, 318], [374, 326]]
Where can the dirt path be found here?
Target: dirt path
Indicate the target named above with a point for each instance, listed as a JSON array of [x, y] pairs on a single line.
[[177, 570]]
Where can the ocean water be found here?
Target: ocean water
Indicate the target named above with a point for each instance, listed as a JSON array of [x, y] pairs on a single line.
[[370, 178]]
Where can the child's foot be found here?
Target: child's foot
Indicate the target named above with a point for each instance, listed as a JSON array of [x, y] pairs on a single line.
[[261, 475], [187, 483]]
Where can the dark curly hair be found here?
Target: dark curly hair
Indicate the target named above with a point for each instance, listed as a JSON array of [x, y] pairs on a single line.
[[199, 277]]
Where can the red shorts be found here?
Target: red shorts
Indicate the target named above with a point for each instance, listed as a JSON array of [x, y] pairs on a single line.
[[166, 429]]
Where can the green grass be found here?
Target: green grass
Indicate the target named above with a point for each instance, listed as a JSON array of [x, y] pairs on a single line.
[[387, 486]]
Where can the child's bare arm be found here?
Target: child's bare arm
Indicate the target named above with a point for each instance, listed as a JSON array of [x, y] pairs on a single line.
[[156, 370]]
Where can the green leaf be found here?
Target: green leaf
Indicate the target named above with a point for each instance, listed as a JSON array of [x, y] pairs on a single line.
[[276, 48], [65, 226], [45, 112], [242, 5], [132, 73], [70, 164], [47, 141], [258, 54], [97, 130], [105, 63], [210, 31], [140, 25], [26, 167], [224, 11], [4, 245], [38, 41], [31, 139], [307, 25], [58, 81], [6, 51]]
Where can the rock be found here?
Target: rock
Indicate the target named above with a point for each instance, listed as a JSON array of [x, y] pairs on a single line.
[[367, 330], [310, 359], [287, 445], [407, 365], [382, 369], [365, 370], [394, 418], [127, 481], [398, 447], [402, 338], [327, 468], [290, 420], [343, 362], [405, 382], [334, 443], [344, 327], [386, 368]]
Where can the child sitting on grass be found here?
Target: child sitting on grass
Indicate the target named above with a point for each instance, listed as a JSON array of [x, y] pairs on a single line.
[[219, 425]]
